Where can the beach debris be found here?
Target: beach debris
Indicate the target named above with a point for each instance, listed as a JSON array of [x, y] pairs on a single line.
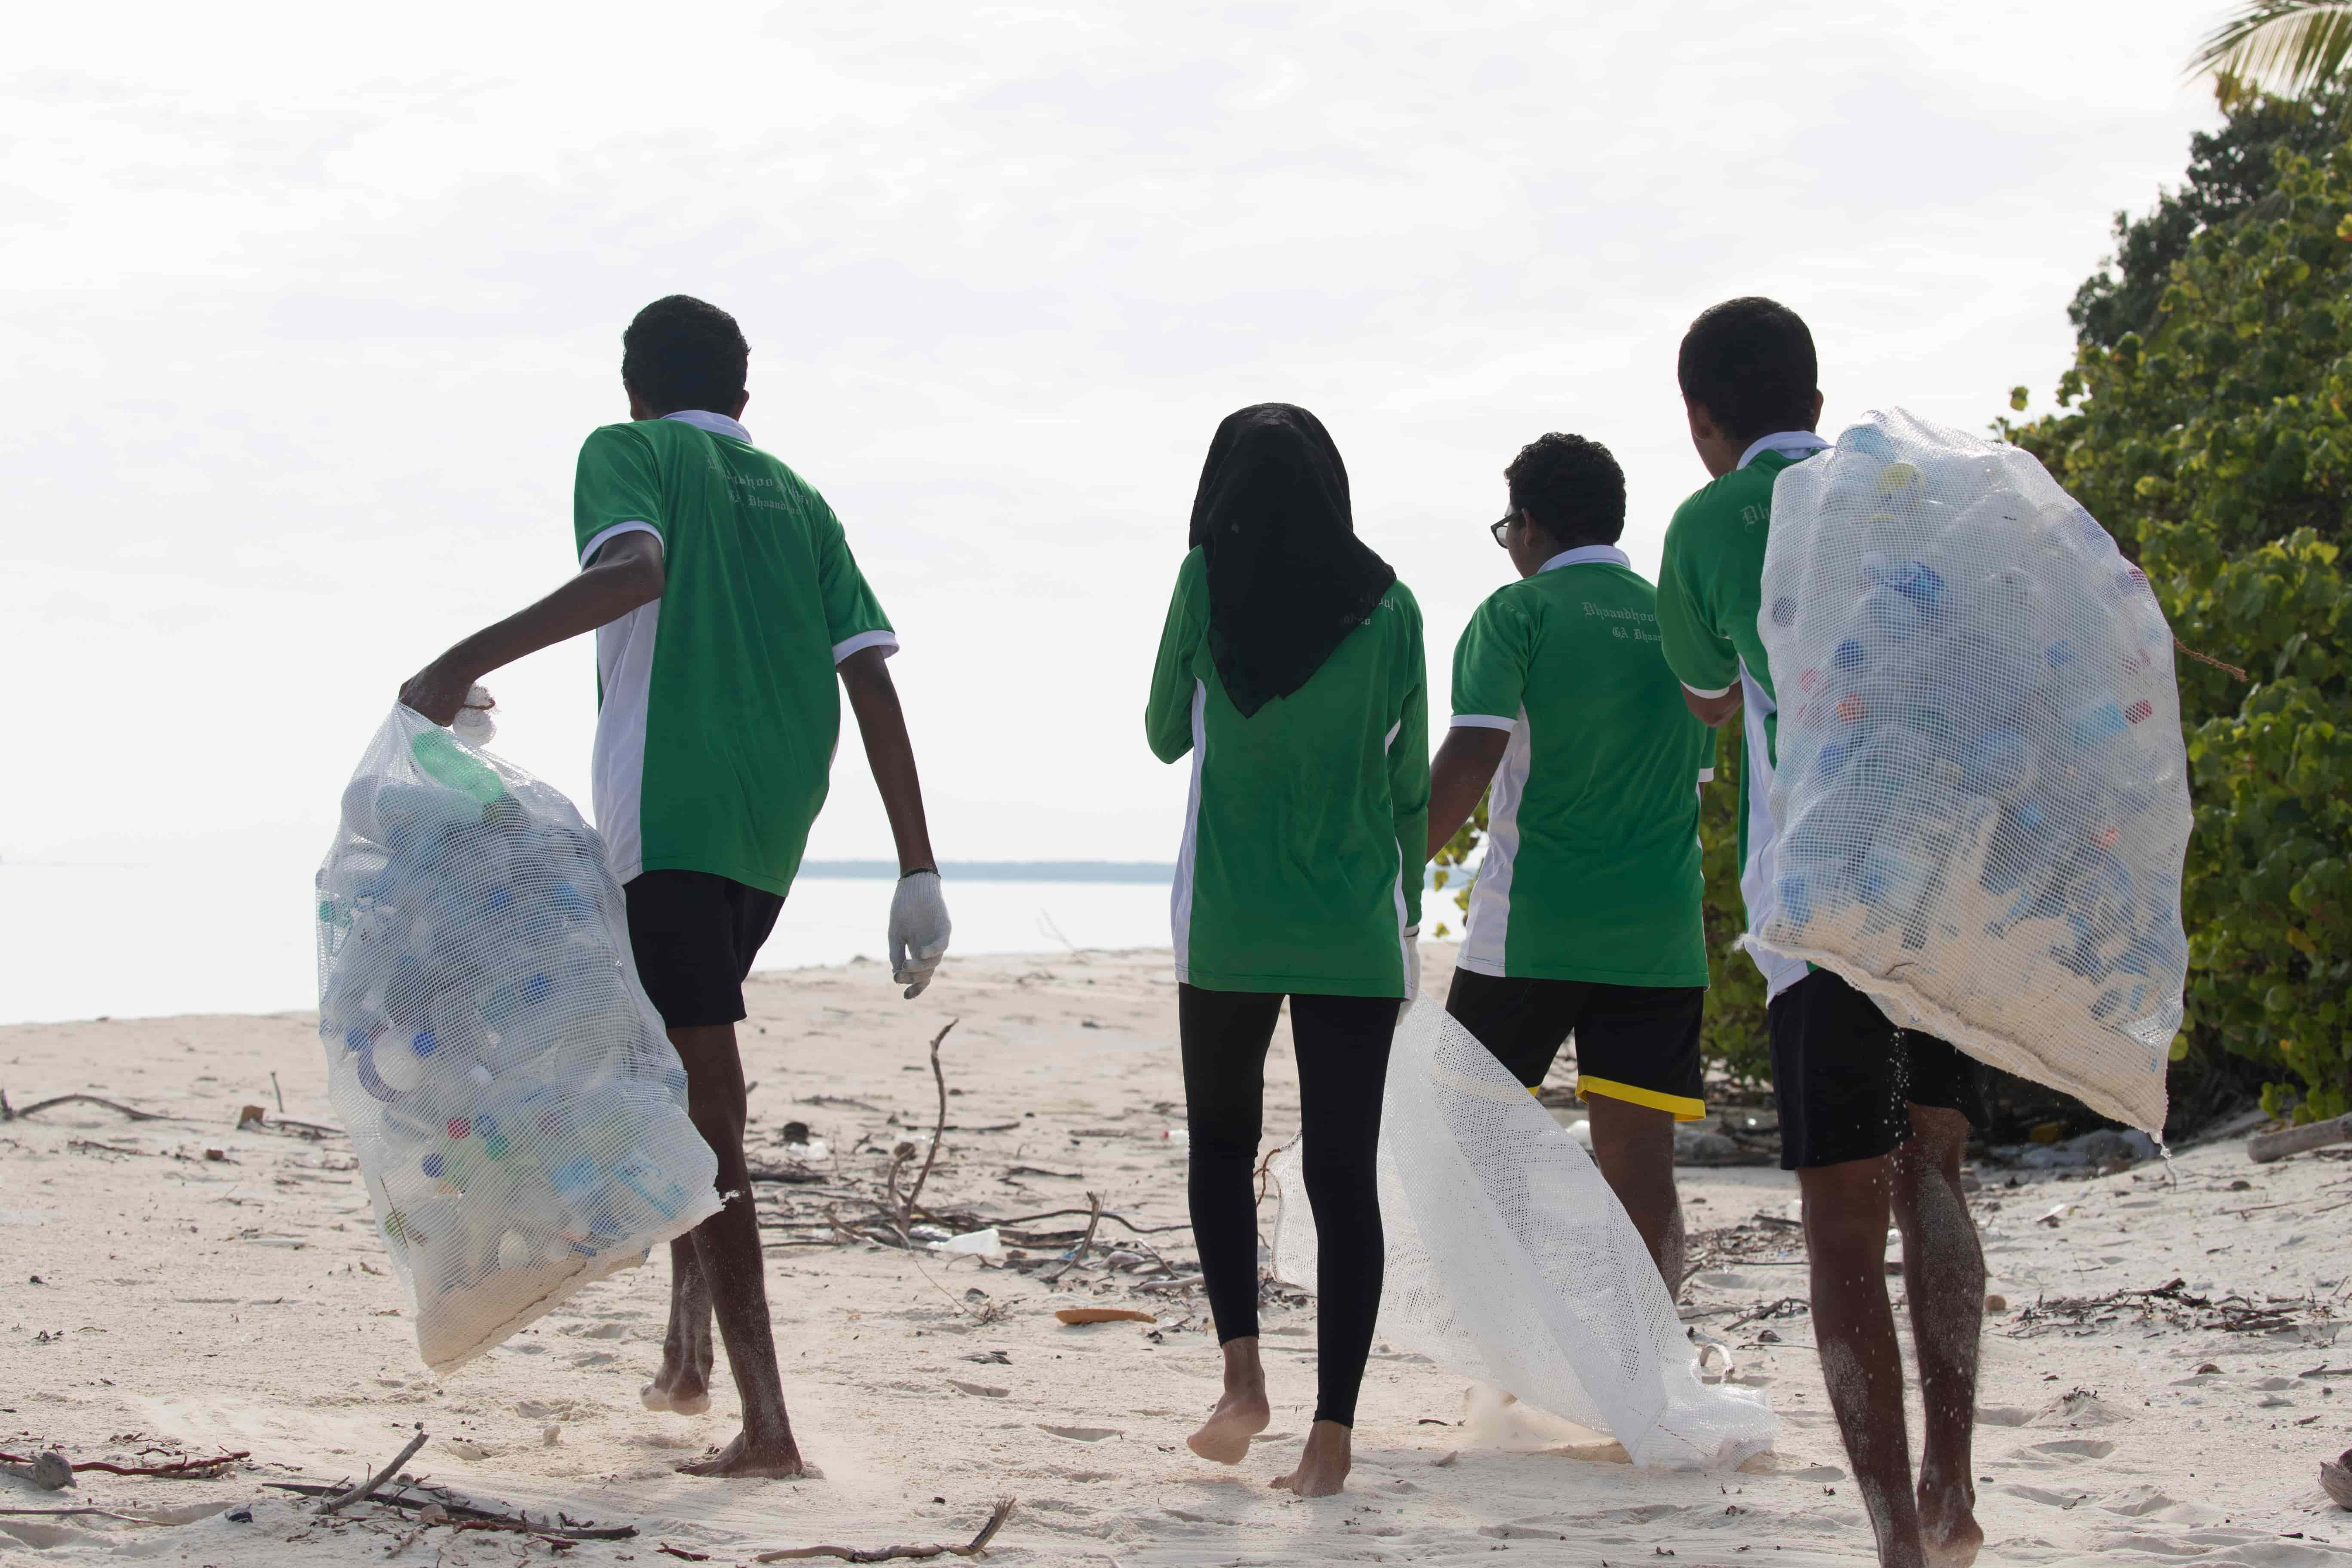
[[977, 1545], [982, 1242], [1996, 1302], [468, 1516], [48, 1469], [252, 1115], [939, 1078], [1081, 1433], [1071, 1259], [431, 1514], [2335, 1478], [367, 1488], [10, 1113], [203, 1468], [978, 1390], [2265, 1147], [1103, 1315]]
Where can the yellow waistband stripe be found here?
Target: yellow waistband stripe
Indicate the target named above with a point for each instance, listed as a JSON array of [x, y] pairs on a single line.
[[1685, 1108]]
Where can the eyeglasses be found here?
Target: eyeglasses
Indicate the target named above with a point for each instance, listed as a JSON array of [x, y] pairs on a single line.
[[1496, 529]]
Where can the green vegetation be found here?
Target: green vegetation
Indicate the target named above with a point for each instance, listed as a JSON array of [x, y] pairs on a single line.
[[2287, 45], [2206, 425]]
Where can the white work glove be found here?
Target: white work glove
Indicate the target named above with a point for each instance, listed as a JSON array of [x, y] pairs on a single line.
[[919, 930], [1412, 964]]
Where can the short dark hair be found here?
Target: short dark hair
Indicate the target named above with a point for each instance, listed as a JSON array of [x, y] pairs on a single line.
[[681, 353], [1571, 487], [1750, 364]]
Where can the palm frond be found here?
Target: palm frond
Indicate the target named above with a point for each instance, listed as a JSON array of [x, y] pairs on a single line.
[[2287, 45]]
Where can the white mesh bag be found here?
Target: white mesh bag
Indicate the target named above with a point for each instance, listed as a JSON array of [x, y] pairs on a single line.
[[1510, 1261], [518, 1114], [1980, 785]]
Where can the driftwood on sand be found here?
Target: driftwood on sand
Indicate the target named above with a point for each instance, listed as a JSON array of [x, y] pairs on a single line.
[[2265, 1147]]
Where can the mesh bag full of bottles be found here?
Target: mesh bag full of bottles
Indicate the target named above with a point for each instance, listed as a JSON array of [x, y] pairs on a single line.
[[1979, 782], [518, 1114]]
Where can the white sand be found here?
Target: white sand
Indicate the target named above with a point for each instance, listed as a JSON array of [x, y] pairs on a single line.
[[235, 1303]]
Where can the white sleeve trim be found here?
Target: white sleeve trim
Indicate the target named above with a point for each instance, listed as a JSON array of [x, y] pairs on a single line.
[[885, 639], [1482, 721], [1719, 691], [1706, 775], [588, 551]]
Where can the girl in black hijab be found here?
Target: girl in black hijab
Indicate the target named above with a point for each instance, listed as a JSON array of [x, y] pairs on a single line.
[[1291, 668]]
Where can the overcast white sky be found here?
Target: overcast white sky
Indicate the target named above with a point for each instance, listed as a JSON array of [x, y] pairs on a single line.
[[310, 307]]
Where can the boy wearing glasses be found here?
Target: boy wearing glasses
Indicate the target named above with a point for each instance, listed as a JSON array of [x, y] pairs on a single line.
[[1585, 918]]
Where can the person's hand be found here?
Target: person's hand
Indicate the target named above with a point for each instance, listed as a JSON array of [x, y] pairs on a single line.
[[919, 930], [1412, 964], [436, 692]]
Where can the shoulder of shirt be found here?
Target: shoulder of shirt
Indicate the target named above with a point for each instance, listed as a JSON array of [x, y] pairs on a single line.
[[1401, 597], [625, 430]]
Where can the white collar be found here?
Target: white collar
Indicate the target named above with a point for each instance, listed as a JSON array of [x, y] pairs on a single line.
[[1797, 444], [716, 424], [1583, 554]]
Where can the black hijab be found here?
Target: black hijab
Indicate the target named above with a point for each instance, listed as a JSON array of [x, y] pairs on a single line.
[[1288, 579]]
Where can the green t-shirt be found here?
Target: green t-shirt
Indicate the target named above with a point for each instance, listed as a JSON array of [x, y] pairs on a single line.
[[1309, 822], [1710, 587], [1592, 869], [719, 704]]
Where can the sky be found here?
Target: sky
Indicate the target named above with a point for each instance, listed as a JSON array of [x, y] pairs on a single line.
[[311, 307]]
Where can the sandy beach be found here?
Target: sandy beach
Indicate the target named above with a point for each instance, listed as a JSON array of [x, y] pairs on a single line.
[[178, 1288]]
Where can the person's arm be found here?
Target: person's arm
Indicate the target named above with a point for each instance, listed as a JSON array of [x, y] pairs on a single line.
[[1466, 766], [625, 574], [882, 724], [1703, 659], [1711, 708], [1490, 681], [1168, 713]]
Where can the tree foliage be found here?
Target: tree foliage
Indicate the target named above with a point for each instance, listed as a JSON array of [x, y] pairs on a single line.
[[2229, 171], [2287, 45], [2216, 443], [1732, 1040]]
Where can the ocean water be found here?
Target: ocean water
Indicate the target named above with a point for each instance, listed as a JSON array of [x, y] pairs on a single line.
[[222, 936]]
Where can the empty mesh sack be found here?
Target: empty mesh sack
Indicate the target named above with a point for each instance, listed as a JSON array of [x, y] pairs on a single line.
[[1510, 1262], [518, 1114], [1980, 784]]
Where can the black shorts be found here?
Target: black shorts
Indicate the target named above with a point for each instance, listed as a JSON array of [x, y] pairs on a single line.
[[1635, 1043], [694, 936], [1844, 1076]]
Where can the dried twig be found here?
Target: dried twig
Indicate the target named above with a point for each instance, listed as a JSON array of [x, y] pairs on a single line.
[[198, 1468], [9, 1113], [2207, 658], [1078, 1253], [1133, 1228], [474, 1517], [978, 1545], [937, 1127], [336, 1504]]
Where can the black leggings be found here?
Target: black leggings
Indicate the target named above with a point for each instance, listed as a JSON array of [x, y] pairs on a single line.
[[1343, 1058]]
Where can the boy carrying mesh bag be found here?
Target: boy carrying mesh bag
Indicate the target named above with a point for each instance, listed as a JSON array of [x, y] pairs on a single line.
[[1979, 777]]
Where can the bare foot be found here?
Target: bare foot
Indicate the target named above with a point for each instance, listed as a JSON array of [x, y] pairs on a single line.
[[1225, 1436], [777, 1460], [678, 1386], [1323, 1469], [682, 1392], [1947, 1524]]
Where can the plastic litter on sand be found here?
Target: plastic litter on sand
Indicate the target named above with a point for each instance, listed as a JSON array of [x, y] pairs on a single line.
[[1980, 780], [1510, 1261], [518, 1114]]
